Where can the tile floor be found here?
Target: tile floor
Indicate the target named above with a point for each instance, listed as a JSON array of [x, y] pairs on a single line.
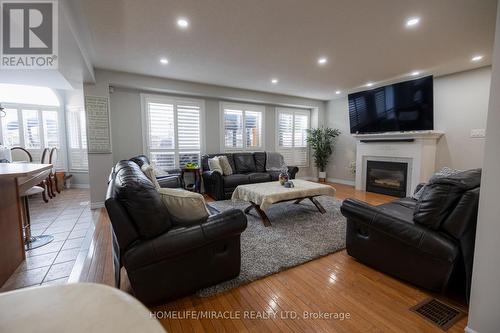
[[68, 218]]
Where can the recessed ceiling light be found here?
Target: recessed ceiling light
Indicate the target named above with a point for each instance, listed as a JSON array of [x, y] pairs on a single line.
[[369, 84], [415, 73], [322, 60], [412, 22], [182, 22], [477, 58], [164, 61], [274, 81], [338, 92]]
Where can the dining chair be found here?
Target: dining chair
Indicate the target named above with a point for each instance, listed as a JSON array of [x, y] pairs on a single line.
[[45, 159], [53, 160], [20, 154]]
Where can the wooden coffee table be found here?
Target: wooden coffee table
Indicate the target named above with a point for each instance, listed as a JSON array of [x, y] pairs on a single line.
[[262, 196]]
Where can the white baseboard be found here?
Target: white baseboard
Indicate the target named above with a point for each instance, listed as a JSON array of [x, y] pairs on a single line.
[[96, 205], [469, 330], [80, 186], [330, 180], [341, 181]]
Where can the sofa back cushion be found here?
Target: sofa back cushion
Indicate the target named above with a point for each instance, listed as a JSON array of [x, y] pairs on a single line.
[[260, 161], [140, 160], [441, 196], [141, 200], [244, 162]]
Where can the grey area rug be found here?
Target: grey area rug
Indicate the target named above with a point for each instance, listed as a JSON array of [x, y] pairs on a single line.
[[299, 233]]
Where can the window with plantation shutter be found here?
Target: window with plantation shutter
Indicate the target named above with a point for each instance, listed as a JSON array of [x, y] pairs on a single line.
[[242, 127], [32, 121], [77, 139], [292, 126], [172, 130]]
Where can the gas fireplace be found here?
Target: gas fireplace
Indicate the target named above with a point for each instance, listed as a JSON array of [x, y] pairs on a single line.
[[387, 177]]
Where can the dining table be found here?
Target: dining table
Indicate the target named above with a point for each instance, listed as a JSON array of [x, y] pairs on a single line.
[[15, 179]]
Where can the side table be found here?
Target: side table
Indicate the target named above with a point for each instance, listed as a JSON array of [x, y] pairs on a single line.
[[197, 178]]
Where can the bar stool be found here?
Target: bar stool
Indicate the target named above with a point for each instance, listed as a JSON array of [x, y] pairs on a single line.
[[33, 242], [20, 154]]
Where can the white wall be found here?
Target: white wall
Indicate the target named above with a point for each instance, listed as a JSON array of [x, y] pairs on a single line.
[[125, 114], [344, 152], [484, 306], [460, 104]]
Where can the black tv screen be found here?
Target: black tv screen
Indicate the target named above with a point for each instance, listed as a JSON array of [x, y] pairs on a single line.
[[404, 106]]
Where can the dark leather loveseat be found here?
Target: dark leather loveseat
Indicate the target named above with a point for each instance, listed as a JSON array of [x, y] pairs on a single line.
[[429, 242], [172, 180], [248, 168], [163, 259]]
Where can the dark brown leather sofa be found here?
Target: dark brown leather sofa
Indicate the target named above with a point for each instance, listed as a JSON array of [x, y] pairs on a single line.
[[165, 260], [248, 168], [429, 242]]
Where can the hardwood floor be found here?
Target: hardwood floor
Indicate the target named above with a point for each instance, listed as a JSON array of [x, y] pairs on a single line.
[[359, 298]]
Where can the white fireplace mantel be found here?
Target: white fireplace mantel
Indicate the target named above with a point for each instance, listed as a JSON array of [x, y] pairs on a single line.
[[417, 149]]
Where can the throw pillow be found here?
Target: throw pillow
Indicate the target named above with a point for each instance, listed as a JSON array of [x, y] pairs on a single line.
[[148, 170], [214, 165], [158, 171], [444, 172], [226, 167], [185, 207]]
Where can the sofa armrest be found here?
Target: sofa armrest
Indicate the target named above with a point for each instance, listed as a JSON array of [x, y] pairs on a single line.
[[418, 188], [414, 235], [214, 184], [228, 223], [170, 181], [292, 171], [185, 239]]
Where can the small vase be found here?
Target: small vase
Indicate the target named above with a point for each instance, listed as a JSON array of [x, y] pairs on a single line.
[[322, 176], [283, 177]]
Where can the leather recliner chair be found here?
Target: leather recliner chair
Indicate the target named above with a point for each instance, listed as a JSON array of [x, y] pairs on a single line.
[[429, 242], [248, 168], [165, 260]]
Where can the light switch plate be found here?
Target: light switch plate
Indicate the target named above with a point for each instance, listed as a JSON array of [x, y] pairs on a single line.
[[478, 133]]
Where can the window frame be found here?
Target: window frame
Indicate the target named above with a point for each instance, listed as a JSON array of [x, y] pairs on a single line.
[[244, 107], [175, 100], [293, 111], [19, 107]]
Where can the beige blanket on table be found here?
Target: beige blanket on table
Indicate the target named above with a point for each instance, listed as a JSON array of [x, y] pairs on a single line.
[[266, 194]]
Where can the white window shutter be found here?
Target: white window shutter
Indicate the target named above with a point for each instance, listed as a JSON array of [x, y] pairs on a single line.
[[243, 127], [292, 135], [233, 129], [173, 131], [188, 132]]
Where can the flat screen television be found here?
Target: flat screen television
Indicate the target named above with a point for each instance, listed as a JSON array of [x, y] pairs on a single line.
[[404, 106]]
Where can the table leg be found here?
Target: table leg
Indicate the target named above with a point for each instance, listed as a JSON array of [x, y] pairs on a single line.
[[318, 205], [262, 214]]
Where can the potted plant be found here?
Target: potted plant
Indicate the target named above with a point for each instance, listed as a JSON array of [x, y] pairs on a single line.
[[321, 141]]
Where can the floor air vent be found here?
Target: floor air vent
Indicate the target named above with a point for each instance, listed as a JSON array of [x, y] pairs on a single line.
[[438, 313]]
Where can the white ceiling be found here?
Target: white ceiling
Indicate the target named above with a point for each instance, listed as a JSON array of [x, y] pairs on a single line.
[[245, 43]]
